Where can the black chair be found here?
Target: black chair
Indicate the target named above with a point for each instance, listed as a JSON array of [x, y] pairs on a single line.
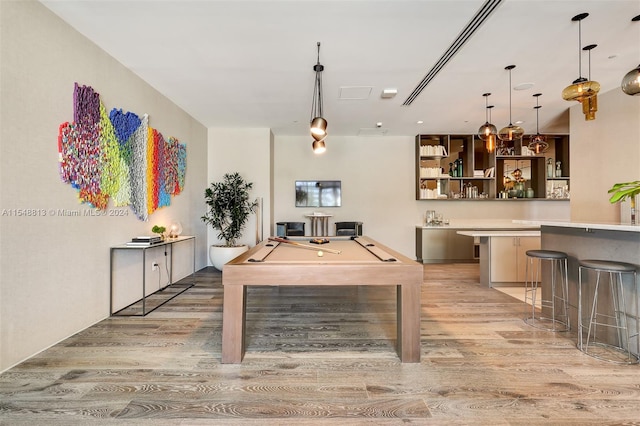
[[348, 228], [290, 229]]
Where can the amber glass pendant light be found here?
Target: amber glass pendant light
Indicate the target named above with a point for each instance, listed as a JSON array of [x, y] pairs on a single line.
[[631, 81], [538, 143], [487, 129], [582, 89], [490, 143], [318, 125], [510, 132]]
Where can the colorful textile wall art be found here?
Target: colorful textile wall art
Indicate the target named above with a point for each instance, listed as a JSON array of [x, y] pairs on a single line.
[[118, 156]]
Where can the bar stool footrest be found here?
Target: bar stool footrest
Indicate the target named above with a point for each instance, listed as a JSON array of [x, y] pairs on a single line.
[[547, 324], [610, 353]]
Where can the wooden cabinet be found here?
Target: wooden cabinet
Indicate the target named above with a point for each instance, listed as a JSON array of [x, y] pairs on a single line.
[[458, 167], [508, 258]]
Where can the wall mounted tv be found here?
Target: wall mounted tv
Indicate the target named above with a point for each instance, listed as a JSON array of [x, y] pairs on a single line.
[[318, 193]]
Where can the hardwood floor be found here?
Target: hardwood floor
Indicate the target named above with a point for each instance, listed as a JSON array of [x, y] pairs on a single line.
[[323, 356]]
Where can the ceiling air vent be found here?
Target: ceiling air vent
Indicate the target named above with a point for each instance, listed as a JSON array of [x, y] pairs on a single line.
[[478, 19]]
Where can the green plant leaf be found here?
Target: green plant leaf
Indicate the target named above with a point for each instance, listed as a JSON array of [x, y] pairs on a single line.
[[229, 207], [624, 190]]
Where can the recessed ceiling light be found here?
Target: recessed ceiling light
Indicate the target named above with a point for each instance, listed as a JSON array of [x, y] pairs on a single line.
[[419, 121], [523, 86], [519, 122]]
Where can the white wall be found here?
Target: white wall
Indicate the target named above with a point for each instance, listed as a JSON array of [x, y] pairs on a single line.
[[604, 151], [377, 177], [248, 152], [54, 270]]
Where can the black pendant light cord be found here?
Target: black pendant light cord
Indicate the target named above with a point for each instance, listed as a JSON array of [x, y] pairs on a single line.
[[580, 48], [537, 107], [589, 48], [316, 106], [486, 106], [510, 67], [579, 18]]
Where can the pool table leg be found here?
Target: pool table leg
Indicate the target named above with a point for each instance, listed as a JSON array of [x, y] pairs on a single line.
[[233, 323], [408, 311]]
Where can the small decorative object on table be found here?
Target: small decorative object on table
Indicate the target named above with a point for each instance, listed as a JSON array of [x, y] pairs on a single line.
[[319, 240], [175, 230], [159, 230]]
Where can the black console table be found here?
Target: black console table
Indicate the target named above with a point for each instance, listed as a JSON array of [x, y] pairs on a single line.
[[168, 243]]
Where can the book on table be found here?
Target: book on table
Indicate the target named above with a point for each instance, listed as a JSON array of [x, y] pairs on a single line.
[[143, 241]]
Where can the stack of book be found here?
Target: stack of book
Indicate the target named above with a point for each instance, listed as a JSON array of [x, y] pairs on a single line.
[[144, 241]]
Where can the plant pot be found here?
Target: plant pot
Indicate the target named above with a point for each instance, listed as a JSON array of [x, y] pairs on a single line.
[[219, 254]]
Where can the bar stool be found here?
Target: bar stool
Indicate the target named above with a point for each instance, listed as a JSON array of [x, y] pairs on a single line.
[[611, 322], [558, 299]]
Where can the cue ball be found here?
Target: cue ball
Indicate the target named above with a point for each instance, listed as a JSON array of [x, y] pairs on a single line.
[[320, 253]]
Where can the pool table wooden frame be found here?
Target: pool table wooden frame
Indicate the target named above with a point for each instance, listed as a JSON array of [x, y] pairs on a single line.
[[406, 274]]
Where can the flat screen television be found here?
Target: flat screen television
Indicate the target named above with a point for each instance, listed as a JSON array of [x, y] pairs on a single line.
[[318, 193]]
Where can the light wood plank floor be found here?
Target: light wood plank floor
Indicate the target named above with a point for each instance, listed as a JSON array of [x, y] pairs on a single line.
[[323, 356]]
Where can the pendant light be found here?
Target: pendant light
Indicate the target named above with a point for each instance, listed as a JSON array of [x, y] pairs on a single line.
[[490, 143], [581, 89], [318, 123], [631, 81], [487, 129], [538, 143], [511, 132], [590, 105]]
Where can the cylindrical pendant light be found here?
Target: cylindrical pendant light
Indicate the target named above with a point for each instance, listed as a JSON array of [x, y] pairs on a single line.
[[318, 147], [318, 126], [510, 132]]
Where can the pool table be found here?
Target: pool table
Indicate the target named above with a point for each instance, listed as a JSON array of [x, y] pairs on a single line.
[[346, 261]]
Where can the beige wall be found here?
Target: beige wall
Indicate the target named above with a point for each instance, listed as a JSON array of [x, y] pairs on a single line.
[[604, 151], [54, 271], [248, 152]]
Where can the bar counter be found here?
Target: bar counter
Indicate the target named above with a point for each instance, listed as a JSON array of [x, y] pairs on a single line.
[[590, 240]]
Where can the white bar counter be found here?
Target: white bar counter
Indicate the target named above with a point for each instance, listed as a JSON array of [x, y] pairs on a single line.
[[442, 243], [500, 263], [605, 226]]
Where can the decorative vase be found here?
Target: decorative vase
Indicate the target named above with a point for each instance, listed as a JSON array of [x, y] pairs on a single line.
[[530, 193], [220, 254]]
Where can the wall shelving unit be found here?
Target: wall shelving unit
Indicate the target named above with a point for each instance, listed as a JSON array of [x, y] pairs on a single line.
[[486, 175]]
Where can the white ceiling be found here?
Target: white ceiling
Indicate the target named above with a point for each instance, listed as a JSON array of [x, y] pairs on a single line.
[[241, 63]]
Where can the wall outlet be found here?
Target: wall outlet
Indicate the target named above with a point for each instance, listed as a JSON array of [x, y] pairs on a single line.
[[154, 266]]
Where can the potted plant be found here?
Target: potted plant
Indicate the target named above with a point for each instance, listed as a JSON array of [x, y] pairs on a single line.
[[622, 191], [159, 230], [229, 208]]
